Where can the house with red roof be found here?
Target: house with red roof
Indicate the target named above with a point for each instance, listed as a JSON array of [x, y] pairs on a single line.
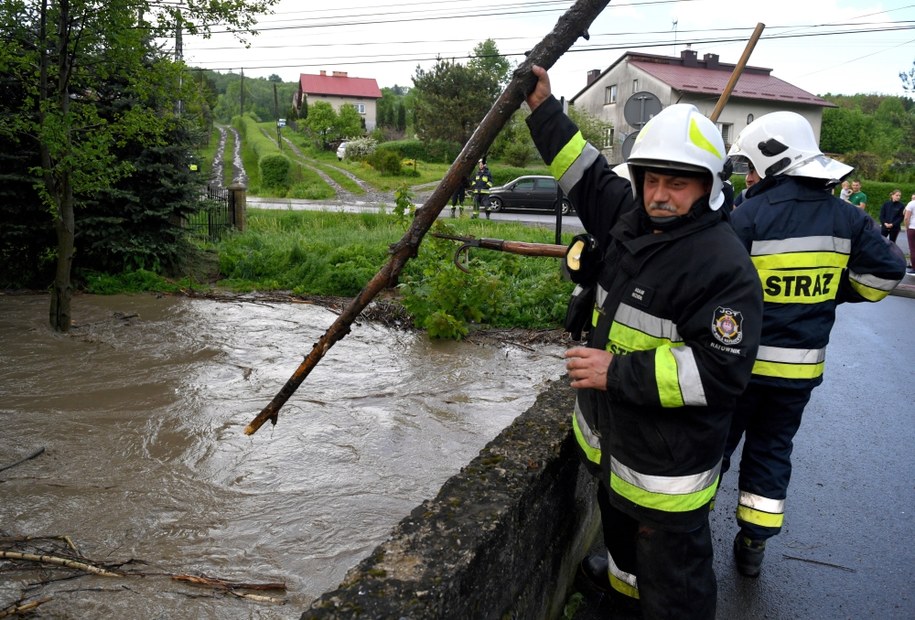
[[339, 88], [637, 86]]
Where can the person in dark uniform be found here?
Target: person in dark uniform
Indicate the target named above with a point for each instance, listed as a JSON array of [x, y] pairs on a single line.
[[674, 329], [482, 182], [813, 251]]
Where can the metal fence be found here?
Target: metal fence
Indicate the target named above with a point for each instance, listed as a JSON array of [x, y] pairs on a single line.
[[215, 217]]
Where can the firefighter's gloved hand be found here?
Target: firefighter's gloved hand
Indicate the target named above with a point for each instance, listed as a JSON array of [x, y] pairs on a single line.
[[578, 314]]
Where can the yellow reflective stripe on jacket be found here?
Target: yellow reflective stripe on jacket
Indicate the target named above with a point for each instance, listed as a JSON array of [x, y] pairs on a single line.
[[789, 363], [636, 330], [572, 161], [801, 270], [621, 581], [586, 438], [677, 377], [664, 493], [760, 510], [871, 287]]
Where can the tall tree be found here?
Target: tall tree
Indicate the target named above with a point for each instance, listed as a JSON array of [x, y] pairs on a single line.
[[487, 60], [60, 53], [451, 99]]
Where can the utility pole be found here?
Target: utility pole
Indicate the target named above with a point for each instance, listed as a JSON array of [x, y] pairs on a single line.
[[276, 114], [179, 56]]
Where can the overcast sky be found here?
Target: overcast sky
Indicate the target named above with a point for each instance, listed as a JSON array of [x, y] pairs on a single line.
[[387, 40]]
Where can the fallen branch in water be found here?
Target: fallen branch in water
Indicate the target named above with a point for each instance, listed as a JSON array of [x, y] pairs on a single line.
[[58, 561], [22, 608], [21, 461], [224, 584]]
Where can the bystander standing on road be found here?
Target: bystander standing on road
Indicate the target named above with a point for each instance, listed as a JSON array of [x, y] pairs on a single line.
[[891, 215], [857, 197], [909, 224]]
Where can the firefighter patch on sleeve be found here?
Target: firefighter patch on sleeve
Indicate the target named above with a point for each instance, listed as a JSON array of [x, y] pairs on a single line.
[[727, 326]]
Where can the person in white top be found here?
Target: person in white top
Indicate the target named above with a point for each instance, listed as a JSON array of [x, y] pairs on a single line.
[[908, 222]]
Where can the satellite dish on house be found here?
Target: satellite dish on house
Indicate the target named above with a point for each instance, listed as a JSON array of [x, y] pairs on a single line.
[[627, 144], [640, 108]]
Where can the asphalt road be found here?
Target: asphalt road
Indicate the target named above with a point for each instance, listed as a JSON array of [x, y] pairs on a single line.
[[847, 549]]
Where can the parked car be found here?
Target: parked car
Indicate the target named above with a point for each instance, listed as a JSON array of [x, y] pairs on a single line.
[[341, 151], [528, 192]]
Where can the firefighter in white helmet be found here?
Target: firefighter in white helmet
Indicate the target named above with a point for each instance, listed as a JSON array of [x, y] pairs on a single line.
[[813, 251], [674, 330]]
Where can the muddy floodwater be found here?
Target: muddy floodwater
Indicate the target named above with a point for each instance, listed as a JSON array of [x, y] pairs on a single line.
[[141, 410]]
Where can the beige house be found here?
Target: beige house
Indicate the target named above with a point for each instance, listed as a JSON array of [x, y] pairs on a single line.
[[337, 89], [637, 86]]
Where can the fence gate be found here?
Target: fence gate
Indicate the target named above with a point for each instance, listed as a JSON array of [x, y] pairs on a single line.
[[215, 217]]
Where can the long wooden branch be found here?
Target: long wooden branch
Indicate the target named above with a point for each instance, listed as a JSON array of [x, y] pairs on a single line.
[[571, 25]]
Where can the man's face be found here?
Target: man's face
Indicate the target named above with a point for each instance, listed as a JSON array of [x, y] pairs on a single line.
[[668, 195], [752, 177], [855, 186]]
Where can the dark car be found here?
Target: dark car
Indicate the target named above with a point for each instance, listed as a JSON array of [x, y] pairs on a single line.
[[528, 192]]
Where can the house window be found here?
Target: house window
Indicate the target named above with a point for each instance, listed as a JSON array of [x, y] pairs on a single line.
[[726, 130], [749, 118], [610, 94], [635, 85], [608, 138], [360, 107]]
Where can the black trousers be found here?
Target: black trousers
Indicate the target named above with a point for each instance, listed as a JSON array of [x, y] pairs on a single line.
[[674, 570], [767, 418]]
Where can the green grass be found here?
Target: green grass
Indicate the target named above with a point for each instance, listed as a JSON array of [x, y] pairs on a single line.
[[323, 253]]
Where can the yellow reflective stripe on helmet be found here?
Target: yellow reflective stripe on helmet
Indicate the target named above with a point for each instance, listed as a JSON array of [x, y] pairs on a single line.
[[871, 287], [664, 493], [789, 363], [567, 156], [621, 581], [759, 510], [587, 440], [698, 138]]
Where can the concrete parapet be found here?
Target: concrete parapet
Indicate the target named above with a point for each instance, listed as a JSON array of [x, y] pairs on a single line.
[[502, 538]]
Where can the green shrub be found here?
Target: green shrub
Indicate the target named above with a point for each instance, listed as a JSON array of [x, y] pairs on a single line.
[[274, 169], [518, 154], [385, 161]]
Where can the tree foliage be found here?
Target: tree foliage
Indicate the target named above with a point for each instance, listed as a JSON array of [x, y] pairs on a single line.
[[452, 99], [92, 80]]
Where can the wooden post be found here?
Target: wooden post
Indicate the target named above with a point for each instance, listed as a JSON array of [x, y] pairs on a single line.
[[237, 204]]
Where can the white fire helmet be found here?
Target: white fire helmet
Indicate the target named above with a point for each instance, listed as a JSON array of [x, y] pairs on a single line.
[[783, 143], [680, 138]]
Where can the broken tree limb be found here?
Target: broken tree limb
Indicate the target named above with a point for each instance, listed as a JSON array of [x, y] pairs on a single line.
[[572, 24], [37, 452], [23, 608], [58, 561]]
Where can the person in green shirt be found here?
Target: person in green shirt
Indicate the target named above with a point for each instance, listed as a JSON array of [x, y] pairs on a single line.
[[857, 197]]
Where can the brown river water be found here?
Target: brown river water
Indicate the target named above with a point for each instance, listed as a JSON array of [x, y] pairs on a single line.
[[141, 410]]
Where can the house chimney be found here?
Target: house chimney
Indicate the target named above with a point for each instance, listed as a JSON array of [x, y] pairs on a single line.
[[323, 72], [711, 61], [593, 75], [689, 58], [339, 73]]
